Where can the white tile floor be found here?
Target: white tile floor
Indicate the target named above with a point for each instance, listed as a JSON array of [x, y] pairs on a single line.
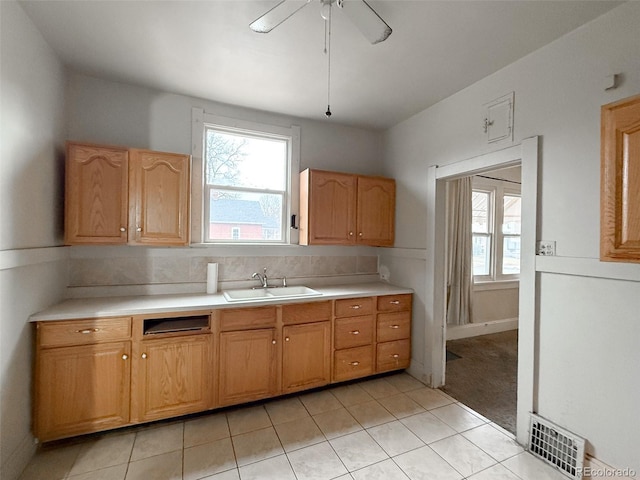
[[387, 428]]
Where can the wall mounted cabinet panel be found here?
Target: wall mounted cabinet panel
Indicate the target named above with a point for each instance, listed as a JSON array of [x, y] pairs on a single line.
[[96, 196], [116, 195], [620, 181]]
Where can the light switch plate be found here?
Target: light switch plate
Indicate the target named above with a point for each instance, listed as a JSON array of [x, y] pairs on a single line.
[[546, 248]]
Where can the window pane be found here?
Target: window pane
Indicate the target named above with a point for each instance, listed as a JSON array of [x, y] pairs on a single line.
[[481, 255], [511, 256], [480, 212], [511, 224], [242, 216], [246, 161]]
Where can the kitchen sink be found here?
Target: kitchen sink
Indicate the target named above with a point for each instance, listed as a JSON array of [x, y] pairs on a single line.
[[270, 293]]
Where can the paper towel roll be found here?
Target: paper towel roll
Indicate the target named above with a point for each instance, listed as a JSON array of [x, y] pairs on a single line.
[[212, 277]]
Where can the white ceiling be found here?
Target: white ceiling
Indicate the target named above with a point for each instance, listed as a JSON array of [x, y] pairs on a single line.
[[206, 49]]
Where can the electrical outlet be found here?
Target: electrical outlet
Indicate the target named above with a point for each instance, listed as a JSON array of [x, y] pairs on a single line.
[[546, 248]]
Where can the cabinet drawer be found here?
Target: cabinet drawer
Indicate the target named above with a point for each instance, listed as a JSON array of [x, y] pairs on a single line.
[[354, 307], [80, 332], [393, 355], [353, 363], [353, 332], [247, 318], [306, 312], [393, 326], [394, 303]]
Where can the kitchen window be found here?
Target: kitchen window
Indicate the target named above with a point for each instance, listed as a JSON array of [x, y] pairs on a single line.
[[249, 181], [496, 227]]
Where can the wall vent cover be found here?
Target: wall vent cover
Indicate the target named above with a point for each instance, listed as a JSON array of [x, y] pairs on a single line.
[[556, 446]]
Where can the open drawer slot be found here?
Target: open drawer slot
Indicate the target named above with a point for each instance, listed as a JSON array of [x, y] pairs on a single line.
[[193, 323]]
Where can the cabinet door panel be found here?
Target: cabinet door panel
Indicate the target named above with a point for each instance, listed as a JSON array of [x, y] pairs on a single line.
[[160, 189], [353, 332], [173, 376], [247, 366], [306, 357], [393, 355], [96, 194], [620, 210], [82, 389], [332, 200], [352, 363], [376, 211]]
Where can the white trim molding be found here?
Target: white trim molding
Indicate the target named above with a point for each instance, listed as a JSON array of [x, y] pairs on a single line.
[[31, 256]]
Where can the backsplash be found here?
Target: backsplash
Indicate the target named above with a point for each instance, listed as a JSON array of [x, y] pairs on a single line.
[[96, 272]]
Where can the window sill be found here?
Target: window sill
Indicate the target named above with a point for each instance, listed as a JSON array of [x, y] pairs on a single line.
[[496, 285]]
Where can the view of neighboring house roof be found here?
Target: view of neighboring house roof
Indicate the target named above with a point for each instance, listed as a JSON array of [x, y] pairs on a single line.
[[231, 210]]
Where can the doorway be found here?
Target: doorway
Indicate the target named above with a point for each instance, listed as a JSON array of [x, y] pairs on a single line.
[[525, 154], [483, 228]]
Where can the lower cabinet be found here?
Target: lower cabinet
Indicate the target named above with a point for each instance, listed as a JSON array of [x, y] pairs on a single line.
[[172, 376], [99, 374], [82, 389], [247, 366]]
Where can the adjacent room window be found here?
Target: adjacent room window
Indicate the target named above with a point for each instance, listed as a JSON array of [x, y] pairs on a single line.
[[496, 225], [247, 182]]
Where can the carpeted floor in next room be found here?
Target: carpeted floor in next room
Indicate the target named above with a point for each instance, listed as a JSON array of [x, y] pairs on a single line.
[[481, 372]]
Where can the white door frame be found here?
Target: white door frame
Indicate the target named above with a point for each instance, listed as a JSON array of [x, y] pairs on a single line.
[[525, 154]]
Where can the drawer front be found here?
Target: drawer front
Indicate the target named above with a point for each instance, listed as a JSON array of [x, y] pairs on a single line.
[[393, 355], [81, 332], [306, 312], [353, 332], [247, 318], [354, 307], [353, 363], [394, 303], [393, 326]]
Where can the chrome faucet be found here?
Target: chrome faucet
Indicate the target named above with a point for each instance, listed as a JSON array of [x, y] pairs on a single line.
[[262, 278]]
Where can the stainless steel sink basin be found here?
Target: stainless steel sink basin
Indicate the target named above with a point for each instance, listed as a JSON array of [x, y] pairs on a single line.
[[272, 293]]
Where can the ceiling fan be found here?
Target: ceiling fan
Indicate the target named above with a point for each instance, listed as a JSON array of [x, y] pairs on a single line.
[[365, 18]]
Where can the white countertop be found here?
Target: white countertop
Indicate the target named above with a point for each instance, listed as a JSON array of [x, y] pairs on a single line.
[[97, 307]]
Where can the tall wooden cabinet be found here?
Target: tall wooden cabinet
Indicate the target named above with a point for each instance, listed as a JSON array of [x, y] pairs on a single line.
[[620, 181], [116, 195], [346, 209]]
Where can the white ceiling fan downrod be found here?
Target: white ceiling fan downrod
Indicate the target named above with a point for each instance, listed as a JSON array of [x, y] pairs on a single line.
[[326, 15]]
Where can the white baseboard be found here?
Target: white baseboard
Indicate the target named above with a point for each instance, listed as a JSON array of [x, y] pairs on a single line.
[[484, 328]]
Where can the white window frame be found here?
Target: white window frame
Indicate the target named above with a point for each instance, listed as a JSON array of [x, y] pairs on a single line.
[[498, 190], [199, 121]]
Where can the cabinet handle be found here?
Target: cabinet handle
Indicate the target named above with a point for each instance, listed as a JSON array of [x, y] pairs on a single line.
[[88, 330], [351, 234], [122, 229], [394, 326], [125, 356], [395, 355], [355, 332], [273, 341], [286, 339], [394, 302], [355, 307], [360, 234], [139, 229], [355, 364], [144, 355]]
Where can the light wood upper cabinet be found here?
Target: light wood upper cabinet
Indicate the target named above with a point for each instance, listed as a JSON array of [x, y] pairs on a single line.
[[376, 211], [96, 196], [346, 209], [159, 198], [117, 195], [620, 181]]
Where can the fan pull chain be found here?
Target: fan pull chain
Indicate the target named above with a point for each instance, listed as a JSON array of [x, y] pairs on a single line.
[[327, 51]]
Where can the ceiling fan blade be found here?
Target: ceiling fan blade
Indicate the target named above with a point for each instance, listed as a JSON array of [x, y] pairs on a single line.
[[277, 15], [366, 20]]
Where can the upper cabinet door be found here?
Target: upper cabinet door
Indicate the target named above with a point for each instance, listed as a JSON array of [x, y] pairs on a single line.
[[620, 181], [96, 194], [376, 211], [159, 191], [330, 217]]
